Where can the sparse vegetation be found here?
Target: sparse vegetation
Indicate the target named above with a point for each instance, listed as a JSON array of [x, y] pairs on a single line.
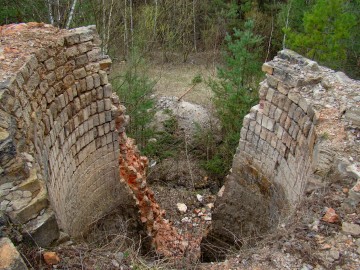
[[135, 91], [234, 93]]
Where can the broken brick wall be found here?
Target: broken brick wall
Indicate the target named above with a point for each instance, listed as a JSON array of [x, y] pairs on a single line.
[[301, 131], [59, 160]]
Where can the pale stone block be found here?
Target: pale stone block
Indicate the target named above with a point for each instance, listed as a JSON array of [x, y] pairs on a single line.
[[108, 117], [100, 93], [60, 59], [292, 109], [263, 133], [243, 132], [272, 81], [270, 94], [266, 67], [303, 104], [72, 51], [80, 73], [89, 83], [72, 39], [50, 64], [272, 111], [41, 55], [81, 60], [69, 80], [258, 129], [266, 108], [252, 126], [103, 77], [107, 104], [107, 91], [94, 54], [96, 80], [277, 114], [85, 47], [100, 106], [294, 96], [60, 72], [102, 118], [287, 105]]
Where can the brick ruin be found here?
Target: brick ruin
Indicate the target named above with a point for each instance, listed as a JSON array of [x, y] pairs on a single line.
[[301, 133], [65, 159], [59, 141], [66, 162]]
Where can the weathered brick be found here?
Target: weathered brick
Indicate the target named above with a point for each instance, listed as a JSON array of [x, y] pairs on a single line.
[[80, 73], [96, 80], [107, 91], [94, 54], [71, 52], [89, 83], [103, 77], [50, 64], [81, 60], [69, 80], [270, 94]]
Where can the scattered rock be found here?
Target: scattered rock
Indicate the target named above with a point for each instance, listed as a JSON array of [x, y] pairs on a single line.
[[330, 216], [335, 254], [307, 267], [51, 258], [350, 228], [210, 205], [325, 247], [181, 207], [10, 258], [119, 257], [199, 197], [115, 263]]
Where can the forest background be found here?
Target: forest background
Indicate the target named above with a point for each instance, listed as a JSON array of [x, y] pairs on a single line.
[[325, 30], [240, 34]]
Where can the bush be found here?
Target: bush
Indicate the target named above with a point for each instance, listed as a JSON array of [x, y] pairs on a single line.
[[234, 93], [135, 90]]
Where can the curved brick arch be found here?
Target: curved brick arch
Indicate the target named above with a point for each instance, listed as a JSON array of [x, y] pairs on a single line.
[[277, 152], [59, 142]]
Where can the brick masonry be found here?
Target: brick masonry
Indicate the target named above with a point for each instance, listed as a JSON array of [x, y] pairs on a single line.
[[276, 155], [59, 159]]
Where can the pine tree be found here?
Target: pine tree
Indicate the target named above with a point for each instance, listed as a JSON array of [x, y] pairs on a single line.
[[233, 91], [326, 31]]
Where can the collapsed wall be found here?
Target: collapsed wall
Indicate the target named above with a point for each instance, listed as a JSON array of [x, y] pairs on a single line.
[[299, 132], [59, 160]]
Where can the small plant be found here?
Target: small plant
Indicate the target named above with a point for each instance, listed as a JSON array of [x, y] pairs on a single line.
[[324, 136], [233, 92], [167, 142], [135, 89], [197, 79]]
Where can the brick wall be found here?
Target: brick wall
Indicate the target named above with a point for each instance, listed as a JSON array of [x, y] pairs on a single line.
[[280, 151], [60, 149]]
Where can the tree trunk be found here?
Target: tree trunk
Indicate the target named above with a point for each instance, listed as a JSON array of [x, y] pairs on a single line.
[[51, 16], [71, 14], [131, 25], [155, 21], [286, 24], [126, 44], [194, 24]]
